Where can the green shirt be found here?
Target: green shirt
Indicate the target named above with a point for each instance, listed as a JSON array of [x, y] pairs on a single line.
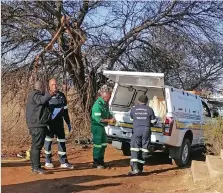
[[100, 110]]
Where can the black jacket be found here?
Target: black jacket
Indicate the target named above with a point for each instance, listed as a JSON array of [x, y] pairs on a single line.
[[59, 101], [37, 109]]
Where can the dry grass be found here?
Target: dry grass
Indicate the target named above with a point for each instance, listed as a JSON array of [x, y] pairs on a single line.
[[14, 128], [214, 136], [15, 132]]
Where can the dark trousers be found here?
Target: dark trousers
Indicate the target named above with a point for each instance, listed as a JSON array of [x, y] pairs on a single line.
[[140, 142], [38, 137], [56, 129]]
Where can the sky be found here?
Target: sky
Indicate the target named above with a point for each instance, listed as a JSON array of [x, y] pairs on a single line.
[[99, 16]]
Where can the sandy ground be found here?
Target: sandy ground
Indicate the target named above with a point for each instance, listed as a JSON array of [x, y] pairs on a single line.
[[160, 176]]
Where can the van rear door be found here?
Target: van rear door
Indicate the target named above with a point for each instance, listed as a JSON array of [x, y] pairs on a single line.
[[142, 79]]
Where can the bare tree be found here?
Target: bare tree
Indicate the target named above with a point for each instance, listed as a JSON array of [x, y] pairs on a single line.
[[186, 65], [75, 40], [100, 34]]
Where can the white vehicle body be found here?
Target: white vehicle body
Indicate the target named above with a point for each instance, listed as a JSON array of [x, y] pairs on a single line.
[[179, 113]]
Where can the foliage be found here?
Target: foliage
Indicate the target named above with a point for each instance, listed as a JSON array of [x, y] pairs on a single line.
[[214, 136]]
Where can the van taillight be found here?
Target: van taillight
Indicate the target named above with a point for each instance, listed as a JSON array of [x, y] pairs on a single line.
[[168, 126]]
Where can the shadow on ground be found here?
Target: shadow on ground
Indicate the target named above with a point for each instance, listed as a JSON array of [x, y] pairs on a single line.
[[71, 184], [68, 184], [15, 164], [158, 158]]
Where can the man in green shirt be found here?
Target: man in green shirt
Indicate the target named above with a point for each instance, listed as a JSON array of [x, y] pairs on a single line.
[[100, 117]]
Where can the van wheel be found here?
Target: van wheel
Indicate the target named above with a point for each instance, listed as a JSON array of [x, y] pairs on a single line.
[[126, 149], [185, 150]]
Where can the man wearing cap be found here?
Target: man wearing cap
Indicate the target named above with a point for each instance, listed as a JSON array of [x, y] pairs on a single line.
[[142, 116]]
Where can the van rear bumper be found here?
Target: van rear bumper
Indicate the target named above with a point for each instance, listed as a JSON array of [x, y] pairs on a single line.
[[125, 134], [118, 142], [112, 138]]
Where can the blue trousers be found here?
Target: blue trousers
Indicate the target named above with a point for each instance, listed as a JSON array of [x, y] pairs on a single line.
[[56, 128], [140, 142]]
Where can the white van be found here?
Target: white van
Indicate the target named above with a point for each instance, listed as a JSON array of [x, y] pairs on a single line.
[[180, 114]]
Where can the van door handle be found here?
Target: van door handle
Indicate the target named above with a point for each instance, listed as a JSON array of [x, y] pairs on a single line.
[[180, 109], [194, 111]]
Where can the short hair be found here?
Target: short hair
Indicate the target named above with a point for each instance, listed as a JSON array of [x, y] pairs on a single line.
[[105, 88], [143, 99]]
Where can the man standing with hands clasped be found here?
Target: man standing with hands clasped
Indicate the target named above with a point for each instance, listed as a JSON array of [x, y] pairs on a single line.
[[58, 105], [37, 117], [100, 117]]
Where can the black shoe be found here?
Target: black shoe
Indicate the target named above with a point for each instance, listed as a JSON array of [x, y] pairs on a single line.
[[98, 166], [94, 165], [105, 165], [140, 169], [39, 171]]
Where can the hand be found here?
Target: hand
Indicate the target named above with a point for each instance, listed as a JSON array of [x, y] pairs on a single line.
[[112, 120], [69, 128]]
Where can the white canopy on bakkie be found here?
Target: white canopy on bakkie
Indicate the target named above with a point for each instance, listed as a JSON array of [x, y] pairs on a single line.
[[143, 79]]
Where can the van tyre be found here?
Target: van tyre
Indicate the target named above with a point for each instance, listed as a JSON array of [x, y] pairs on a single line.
[[185, 150], [126, 149]]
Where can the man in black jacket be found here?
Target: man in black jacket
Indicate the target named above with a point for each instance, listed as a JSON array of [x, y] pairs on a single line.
[[37, 118]]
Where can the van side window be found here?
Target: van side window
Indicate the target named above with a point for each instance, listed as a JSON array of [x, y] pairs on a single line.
[[206, 110]]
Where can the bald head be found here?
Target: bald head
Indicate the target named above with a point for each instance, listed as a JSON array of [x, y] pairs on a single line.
[[106, 95], [53, 85], [52, 81], [39, 86]]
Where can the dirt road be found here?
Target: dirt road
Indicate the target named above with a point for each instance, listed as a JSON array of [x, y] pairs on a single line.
[[160, 176]]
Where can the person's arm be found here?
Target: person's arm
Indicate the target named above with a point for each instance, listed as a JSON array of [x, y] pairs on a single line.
[[65, 113], [131, 114], [110, 115], [41, 99], [106, 120], [96, 115], [153, 117]]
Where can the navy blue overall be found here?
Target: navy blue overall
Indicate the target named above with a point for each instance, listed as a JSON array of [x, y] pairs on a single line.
[[142, 116], [56, 128]]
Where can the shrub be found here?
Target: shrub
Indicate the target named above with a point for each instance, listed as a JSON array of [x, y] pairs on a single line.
[[213, 132]]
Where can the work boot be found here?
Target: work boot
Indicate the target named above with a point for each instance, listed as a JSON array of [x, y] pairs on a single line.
[[39, 171], [140, 167], [95, 165], [104, 164], [100, 167]]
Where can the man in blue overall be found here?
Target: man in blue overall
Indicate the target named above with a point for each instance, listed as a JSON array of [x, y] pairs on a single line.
[[142, 116], [58, 105]]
